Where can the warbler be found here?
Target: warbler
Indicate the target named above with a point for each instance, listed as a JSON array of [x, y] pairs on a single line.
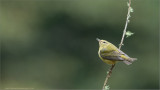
[[110, 54]]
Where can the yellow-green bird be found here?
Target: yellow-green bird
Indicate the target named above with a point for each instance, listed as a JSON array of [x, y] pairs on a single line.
[[110, 54]]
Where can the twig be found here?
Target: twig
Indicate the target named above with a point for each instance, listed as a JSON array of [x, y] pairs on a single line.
[[127, 21], [108, 75], [120, 45]]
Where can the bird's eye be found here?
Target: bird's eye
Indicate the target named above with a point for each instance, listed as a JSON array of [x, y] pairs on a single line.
[[104, 42]]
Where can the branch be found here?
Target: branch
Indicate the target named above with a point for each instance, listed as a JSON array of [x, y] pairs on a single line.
[[105, 87], [107, 77], [127, 21]]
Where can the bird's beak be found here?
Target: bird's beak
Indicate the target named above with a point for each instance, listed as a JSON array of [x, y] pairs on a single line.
[[98, 39]]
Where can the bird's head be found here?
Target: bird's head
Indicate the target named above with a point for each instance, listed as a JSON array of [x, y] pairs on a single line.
[[102, 43]]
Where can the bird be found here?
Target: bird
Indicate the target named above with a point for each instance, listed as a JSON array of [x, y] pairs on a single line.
[[110, 54]]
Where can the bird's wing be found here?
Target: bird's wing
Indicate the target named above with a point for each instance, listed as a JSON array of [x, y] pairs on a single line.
[[112, 55], [118, 51], [122, 53]]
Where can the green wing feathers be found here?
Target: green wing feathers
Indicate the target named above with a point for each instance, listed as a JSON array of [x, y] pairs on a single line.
[[114, 54]]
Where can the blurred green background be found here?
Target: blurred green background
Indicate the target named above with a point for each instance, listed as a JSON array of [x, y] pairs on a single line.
[[52, 44]]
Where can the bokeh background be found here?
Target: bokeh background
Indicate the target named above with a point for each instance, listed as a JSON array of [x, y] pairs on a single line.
[[52, 44]]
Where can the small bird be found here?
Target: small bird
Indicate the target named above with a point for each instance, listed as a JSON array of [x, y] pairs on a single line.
[[110, 54]]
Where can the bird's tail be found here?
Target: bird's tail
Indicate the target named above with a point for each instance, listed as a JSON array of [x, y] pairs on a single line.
[[129, 61]]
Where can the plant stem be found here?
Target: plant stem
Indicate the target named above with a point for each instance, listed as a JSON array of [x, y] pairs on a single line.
[[120, 45], [125, 28], [108, 75]]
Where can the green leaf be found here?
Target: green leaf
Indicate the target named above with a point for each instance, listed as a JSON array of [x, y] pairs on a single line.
[[107, 87], [107, 72], [128, 34], [131, 9]]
